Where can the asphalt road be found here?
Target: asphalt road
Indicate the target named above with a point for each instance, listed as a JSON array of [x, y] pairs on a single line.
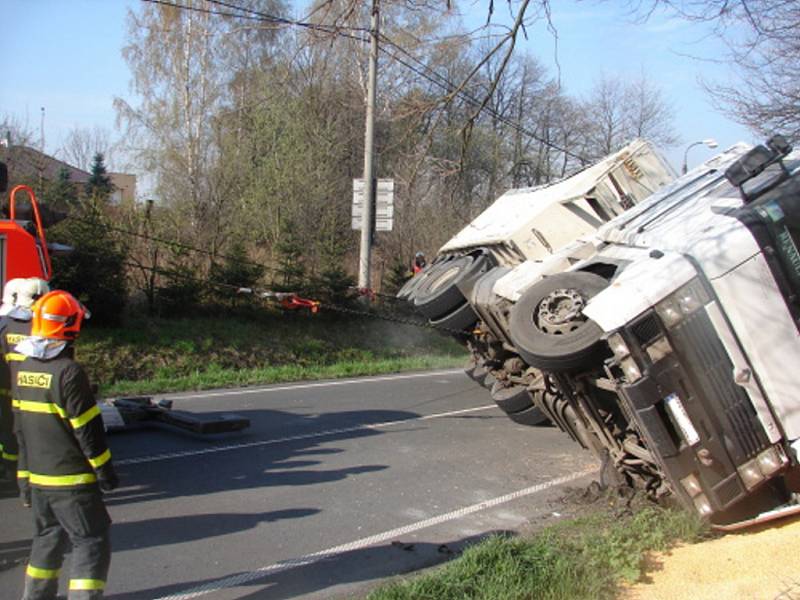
[[335, 485]]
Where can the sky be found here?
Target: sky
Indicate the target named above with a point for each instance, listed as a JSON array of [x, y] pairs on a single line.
[[65, 56]]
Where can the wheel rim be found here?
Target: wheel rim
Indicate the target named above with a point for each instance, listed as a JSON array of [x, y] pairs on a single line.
[[560, 312]]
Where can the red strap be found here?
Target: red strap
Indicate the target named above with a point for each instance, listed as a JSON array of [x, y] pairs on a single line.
[[294, 302]]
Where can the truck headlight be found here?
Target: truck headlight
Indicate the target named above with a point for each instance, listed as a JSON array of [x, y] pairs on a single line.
[[691, 485], [767, 463], [771, 460], [683, 302], [702, 505], [750, 473]]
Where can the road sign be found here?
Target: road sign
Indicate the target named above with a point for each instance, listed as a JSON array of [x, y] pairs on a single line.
[[384, 204]]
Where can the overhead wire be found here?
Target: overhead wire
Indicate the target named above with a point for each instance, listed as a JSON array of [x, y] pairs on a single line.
[[422, 70], [271, 295], [173, 243], [437, 79], [216, 255]]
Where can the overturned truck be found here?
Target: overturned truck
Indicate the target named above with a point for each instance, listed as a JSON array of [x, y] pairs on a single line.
[[660, 330]]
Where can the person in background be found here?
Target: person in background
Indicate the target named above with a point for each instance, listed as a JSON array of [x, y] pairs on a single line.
[[64, 454], [419, 263]]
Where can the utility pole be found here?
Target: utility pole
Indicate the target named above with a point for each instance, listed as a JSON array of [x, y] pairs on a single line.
[[369, 152]]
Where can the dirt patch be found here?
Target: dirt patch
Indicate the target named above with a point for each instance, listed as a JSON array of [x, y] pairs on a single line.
[[759, 563]]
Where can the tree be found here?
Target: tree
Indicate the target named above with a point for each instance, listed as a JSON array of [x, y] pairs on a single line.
[[94, 271], [61, 194], [762, 40], [621, 111], [185, 62], [82, 144], [99, 186], [235, 270]]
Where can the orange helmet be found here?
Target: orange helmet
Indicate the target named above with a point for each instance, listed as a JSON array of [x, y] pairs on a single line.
[[58, 315]]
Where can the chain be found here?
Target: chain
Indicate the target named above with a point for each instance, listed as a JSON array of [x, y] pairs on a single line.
[[271, 295]]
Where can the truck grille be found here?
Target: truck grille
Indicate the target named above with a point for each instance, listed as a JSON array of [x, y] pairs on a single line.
[[696, 340], [646, 329]]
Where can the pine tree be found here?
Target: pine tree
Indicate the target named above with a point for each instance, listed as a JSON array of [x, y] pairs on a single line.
[[291, 250], [61, 195], [99, 185]]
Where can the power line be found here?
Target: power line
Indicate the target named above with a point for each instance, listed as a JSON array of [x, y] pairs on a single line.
[[436, 78], [423, 70], [285, 21], [254, 15], [173, 243], [270, 295]]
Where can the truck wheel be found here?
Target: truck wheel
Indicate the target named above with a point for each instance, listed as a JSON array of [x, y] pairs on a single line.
[[409, 287], [476, 372], [532, 417], [512, 398], [548, 326], [461, 319], [489, 380], [439, 294]]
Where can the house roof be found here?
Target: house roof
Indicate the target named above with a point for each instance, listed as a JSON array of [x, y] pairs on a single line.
[[24, 160]]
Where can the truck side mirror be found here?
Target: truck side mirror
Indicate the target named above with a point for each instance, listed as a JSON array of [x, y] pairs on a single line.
[[750, 165], [3, 177], [779, 145]]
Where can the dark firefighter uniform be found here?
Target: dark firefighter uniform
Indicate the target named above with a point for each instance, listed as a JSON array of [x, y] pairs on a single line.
[[12, 331], [65, 459]]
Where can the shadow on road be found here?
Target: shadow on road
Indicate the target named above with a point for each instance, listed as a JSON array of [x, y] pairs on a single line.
[[254, 463], [290, 580], [14, 553], [148, 533]]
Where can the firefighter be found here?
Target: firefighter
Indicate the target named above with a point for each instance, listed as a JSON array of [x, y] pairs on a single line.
[[63, 454], [8, 448], [419, 263], [15, 324]]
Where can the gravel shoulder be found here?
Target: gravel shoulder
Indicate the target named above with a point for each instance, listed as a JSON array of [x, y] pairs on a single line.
[[760, 563]]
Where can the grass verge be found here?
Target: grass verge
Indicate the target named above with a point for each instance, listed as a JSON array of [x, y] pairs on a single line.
[[587, 557], [216, 377], [160, 355]]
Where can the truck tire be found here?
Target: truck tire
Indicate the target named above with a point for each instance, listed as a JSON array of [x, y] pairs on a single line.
[[461, 319], [511, 399], [531, 417], [548, 327], [476, 372], [406, 292], [489, 380], [439, 295], [409, 285]]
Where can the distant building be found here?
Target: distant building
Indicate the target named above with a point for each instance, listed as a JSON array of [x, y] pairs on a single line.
[[124, 188], [30, 165]]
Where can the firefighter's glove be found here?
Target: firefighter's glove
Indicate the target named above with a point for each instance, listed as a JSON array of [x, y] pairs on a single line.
[[107, 478]]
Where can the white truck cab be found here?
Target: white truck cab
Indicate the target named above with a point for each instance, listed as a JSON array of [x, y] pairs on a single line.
[[664, 339]]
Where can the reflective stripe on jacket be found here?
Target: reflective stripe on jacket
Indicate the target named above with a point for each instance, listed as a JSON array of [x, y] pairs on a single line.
[[58, 422]]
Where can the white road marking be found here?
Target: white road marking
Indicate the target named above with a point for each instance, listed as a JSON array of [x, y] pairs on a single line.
[[309, 559], [292, 438], [305, 386]]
